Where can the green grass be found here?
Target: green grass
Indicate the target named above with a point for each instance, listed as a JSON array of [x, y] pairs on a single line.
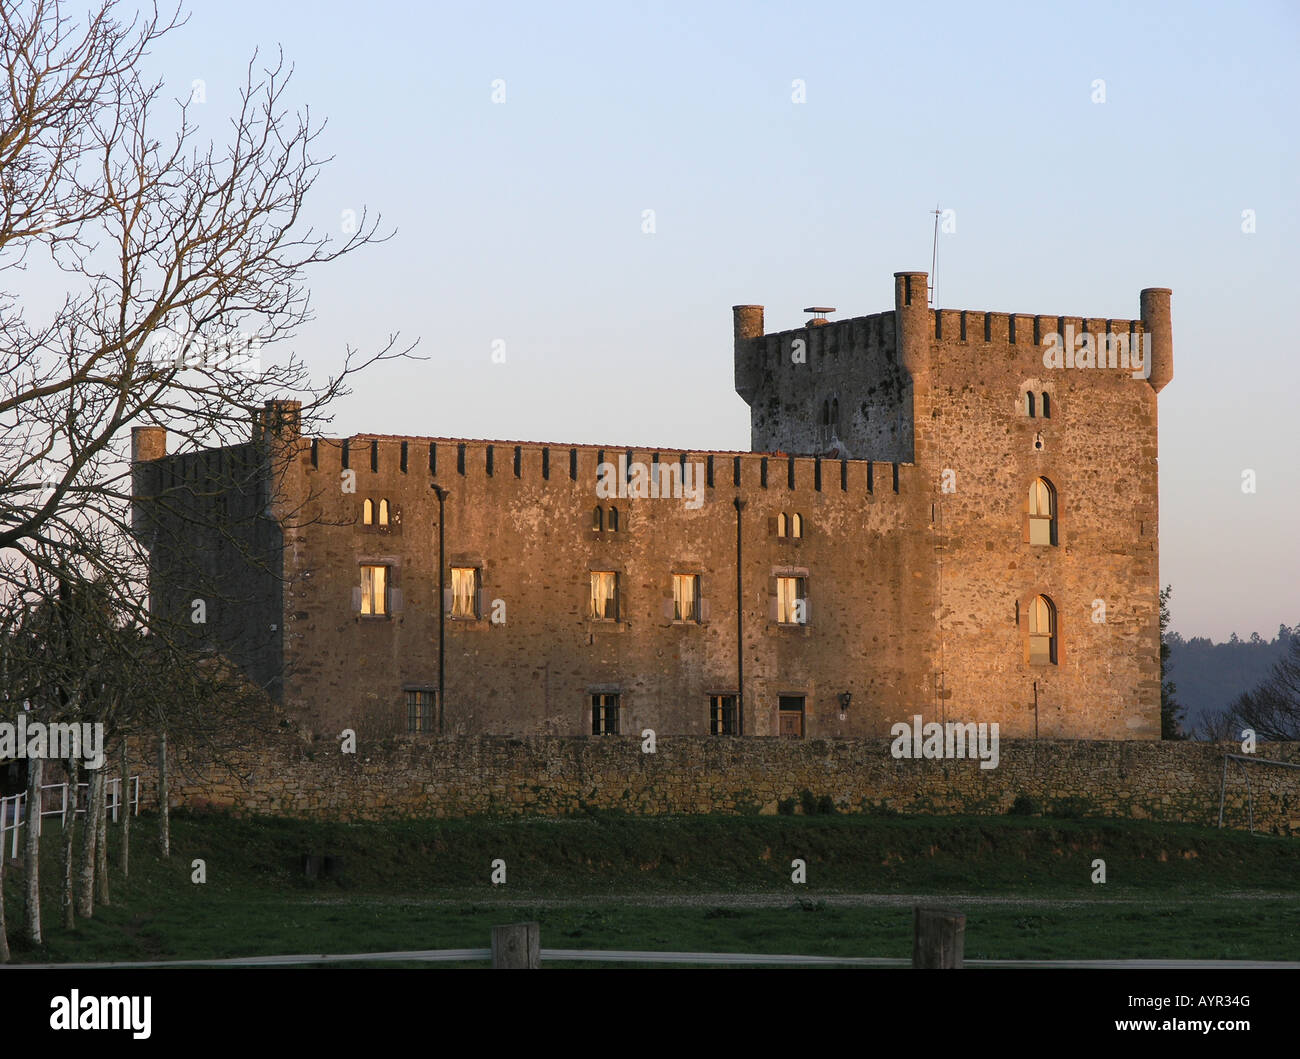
[[425, 884]]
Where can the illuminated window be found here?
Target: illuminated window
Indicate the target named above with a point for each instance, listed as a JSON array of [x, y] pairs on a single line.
[[781, 524], [464, 591], [722, 714], [419, 710], [686, 597], [613, 520], [1042, 632], [367, 512], [604, 595], [791, 600], [1042, 512], [383, 512], [604, 715], [374, 590], [796, 525]]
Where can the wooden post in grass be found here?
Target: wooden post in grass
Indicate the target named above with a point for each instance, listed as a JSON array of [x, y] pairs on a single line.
[[938, 938], [517, 945]]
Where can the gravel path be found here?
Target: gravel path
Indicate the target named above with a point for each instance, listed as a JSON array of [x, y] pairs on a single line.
[[784, 900]]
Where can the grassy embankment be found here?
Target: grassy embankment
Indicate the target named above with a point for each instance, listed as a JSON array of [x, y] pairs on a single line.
[[687, 884]]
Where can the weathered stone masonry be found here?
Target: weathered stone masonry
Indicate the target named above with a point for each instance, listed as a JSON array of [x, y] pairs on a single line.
[[455, 776], [920, 576]]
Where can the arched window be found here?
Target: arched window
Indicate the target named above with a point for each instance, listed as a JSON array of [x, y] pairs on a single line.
[[1029, 403], [367, 512], [781, 524], [796, 525], [1042, 512], [1047, 405], [597, 518], [835, 410], [1042, 632], [383, 512], [613, 520]]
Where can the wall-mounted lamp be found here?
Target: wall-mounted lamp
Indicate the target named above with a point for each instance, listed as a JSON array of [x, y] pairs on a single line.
[[845, 698]]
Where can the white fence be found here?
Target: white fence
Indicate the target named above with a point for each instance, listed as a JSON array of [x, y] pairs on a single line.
[[13, 809]]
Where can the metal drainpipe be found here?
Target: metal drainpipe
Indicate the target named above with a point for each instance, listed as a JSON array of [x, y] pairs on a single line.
[[442, 605], [740, 628]]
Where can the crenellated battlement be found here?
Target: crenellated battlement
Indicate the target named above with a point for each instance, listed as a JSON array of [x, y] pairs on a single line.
[[969, 325], [850, 388], [445, 459]]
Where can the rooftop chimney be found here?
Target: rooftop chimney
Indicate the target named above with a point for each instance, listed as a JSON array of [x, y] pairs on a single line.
[[819, 315]]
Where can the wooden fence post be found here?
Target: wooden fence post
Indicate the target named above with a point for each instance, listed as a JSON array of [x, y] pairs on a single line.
[[938, 938], [517, 945]]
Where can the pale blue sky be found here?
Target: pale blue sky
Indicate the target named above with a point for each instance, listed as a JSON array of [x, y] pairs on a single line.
[[522, 221]]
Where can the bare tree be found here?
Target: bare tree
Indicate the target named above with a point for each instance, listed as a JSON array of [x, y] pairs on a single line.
[[184, 263], [1272, 710]]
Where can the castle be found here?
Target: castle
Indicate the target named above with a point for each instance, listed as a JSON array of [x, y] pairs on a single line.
[[945, 514]]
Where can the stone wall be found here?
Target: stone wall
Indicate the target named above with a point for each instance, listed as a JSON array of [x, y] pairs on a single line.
[[456, 777]]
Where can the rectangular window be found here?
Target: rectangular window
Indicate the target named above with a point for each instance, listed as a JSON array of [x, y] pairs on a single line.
[[792, 600], [419, 710], [374, 590], [686, 597], [604, 715], [722, 714], [604, 595], [464, 591]]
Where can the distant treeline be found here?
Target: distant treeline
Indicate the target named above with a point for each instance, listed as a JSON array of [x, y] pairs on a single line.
[[1210, 676]]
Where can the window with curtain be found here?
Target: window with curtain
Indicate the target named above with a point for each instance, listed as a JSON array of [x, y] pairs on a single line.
[[686, 597], [464, 591], [374, 590], [604, 595], [790, 594]]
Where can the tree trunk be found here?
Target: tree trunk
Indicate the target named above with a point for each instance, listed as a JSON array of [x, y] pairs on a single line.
[[32, 854], [69, 828], [4, 852], [124, 808], [164, 820], [86, 869], [101, 839]]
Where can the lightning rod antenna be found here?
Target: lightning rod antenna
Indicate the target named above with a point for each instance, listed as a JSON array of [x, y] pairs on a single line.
[[934, 252]]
